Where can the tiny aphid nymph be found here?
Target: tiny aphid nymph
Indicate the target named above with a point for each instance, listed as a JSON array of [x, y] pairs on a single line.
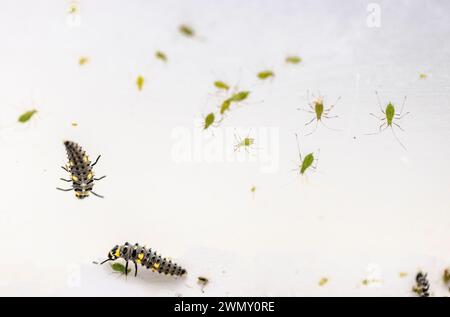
[[306, 162], [265, 74], [26, 116], [221, 85], [119, 268], [293, 59], [140, 82], [389, 118], [245, 143], [209, 121], [316, 107], [186, 30], [149, 259], [161, 56], [80, 169]]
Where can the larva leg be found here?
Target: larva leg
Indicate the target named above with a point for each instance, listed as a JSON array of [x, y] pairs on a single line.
[[97, 179], [64, 168], [96, 161], [126, 268], [66, 180], [135, 269], [64, 190], [99, 196]]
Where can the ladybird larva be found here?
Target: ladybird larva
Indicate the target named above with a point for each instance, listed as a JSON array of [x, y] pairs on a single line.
[[145, 257], [80, 169]]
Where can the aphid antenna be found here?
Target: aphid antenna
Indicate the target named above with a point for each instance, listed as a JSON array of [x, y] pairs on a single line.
[[335, 103], [403, 106], [375, 116], [379, 102], [317, 159]]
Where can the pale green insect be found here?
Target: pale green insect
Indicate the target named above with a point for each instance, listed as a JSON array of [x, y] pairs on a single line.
[[245, 143], [239, 96], [316, 107], [306, 162], [161, 56], [119, 268], [266, 74], [140, 82], [26, 116], [209, 120], [186, 30], [221, 85], [293, 59], [225, 106], [389, 118]]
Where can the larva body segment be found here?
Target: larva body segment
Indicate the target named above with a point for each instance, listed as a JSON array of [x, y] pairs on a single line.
[[80, 169], [145, 257]]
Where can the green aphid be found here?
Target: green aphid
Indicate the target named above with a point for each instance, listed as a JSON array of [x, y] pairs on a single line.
[[239, 96], [245, 143], [161, 56], [186, 30], [266, 74], [318, 110], [221, 85], [306, 162], [293, 59], [209, 120], [140, 82], [225, 106], [119, 268], [389, 117], [27, 116]]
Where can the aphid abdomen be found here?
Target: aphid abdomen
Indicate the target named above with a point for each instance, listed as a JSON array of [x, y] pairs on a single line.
[[318, 108], [390, 112]]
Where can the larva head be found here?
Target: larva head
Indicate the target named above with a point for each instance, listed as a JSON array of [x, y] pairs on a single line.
[[114, 253], [306, 163], [390, 112], [318, 108]]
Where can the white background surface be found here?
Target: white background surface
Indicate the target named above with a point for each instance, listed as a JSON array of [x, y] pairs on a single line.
[[371, 210]]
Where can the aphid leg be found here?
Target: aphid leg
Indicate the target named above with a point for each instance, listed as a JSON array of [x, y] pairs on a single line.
[[398, 126], [310, 121], [315, 128], [135, 269], [97, 179], [398, 140], [298, 148], [66, 180], [305, 110], [399, 116], [379, 118], [96, 161], [380, 129], [64, 190], [316, 160], [99, 196], [321, 122], [379, 103], [332, 117]]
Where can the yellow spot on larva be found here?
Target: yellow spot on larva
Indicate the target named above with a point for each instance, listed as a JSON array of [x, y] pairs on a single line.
[[89, 176], [74, 178], [117, 253], [71, 163], [156, 266], [138, 261], [140, 256], [85, 159], [83, 60]]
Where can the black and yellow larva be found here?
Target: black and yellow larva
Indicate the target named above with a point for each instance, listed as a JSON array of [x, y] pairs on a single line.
[[145, 257], [80, 169], [422, 287]]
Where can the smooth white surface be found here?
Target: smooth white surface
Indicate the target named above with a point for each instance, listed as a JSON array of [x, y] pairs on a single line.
[[371, 210]]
